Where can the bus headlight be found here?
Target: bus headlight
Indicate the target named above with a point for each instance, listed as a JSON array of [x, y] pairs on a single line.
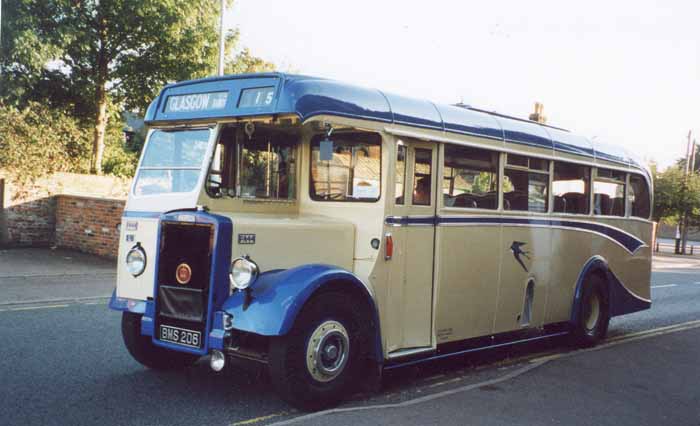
[[243, 273], [136, 260]]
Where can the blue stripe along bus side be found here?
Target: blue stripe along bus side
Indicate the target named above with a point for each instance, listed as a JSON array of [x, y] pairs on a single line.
[[277, 297], [621, 300], [628, 241]]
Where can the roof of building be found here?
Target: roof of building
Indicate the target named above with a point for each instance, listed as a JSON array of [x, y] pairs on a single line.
[[311, 96]]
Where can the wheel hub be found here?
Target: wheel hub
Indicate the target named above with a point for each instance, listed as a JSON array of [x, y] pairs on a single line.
[[327, 351], [592, 313]]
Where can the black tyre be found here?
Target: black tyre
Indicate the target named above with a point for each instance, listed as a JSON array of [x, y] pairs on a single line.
[[318, 362], [144, 351], [594, 312]]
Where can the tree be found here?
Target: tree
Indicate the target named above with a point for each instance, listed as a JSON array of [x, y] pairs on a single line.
[[674, 194], [88, 54]]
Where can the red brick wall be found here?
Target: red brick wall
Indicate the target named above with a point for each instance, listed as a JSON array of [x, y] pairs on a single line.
[[88, 224], [32, 222], [29, 217]]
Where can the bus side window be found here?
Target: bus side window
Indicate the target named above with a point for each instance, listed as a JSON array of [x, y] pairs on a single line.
[[639, 197], [571, 188], [470, 178], [526, 184], [422, 172], [609, 193], [354, 171], [400, 174]]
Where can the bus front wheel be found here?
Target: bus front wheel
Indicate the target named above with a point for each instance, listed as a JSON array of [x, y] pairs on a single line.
[[315, 364], [145, 352], [594, 312]]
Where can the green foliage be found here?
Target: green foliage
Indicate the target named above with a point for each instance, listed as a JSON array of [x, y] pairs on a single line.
[[674, 194], [84, 55], [38, 140], [118, 160], [70, 47]]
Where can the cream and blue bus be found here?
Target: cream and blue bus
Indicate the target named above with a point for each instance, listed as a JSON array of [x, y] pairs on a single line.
[[329, 232]]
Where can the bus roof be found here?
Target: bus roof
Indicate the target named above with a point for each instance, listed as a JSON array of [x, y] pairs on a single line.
[[235, 96]]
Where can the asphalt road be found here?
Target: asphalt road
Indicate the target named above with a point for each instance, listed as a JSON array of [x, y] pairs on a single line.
[[64, 363]]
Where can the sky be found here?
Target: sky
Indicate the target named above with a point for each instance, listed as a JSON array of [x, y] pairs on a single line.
[[622, 72]]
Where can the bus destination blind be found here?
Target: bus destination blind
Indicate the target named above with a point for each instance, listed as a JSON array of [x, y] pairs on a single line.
[[196, 102]]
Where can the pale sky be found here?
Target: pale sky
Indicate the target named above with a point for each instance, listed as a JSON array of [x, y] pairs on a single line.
[[625, 72]]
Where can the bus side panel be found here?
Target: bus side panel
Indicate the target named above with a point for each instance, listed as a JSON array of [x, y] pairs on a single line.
[[572, 249], [527, 256], [633, 270], [467, 259]]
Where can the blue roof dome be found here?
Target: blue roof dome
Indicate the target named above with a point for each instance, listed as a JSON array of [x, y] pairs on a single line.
[[311, 96]]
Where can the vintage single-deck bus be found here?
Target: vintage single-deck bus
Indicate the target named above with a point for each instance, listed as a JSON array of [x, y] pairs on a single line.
[[332, 232]]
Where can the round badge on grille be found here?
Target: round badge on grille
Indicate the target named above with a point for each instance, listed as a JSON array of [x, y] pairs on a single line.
[[183, 273]]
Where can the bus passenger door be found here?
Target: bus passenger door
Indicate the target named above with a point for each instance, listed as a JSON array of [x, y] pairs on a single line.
[[411, 227]]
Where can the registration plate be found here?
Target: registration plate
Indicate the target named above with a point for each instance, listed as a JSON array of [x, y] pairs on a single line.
[[180, 336]]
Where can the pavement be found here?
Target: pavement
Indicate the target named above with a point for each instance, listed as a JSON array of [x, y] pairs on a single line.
[[62, 361], [31, 275], [616, 384]]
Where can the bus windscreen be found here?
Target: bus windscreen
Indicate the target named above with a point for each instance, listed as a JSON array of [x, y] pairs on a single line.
[[172, 162]]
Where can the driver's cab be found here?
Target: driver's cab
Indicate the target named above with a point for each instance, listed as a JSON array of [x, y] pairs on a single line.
[[296, 193]]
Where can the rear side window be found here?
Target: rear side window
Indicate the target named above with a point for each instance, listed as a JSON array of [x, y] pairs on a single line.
[[353, 172], [640, 201], [525, 184], [609, 190], [571, 188], [470, 178]]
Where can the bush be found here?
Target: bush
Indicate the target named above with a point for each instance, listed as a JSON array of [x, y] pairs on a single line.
[[37, 141]]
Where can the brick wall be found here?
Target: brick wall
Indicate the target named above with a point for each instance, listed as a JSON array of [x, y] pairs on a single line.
[[29, 216], [63, 209], [88, 224]]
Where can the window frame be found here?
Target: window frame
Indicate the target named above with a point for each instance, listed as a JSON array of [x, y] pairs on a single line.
[[432, 176], [624, 181], [235, 176], [202, 168], [548, 172], [650, 204], [590, 183], [497, 173], [400, 145], [357, 133]]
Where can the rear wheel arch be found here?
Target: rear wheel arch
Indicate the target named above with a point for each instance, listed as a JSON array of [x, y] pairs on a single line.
[[591, 310], [595, 266]]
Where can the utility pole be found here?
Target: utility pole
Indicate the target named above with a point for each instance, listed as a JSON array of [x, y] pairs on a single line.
[[221, 38], [689, 158]]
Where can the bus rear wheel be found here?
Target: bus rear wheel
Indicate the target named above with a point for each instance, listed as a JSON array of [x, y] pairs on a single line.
[[314, 366], [145, 352], [594, 313]]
